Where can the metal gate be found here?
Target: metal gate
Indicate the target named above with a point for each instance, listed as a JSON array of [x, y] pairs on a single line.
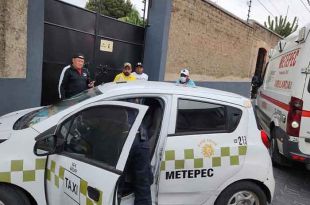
[[103, 40]]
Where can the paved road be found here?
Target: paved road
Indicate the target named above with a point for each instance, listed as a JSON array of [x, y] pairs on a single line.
[[292, 186]]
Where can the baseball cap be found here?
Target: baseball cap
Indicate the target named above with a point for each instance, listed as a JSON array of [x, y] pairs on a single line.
[[127, 64], [139, 64], [78, 55], [185, 72]]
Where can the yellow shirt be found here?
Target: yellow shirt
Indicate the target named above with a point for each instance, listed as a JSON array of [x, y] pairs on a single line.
[[122, 77]]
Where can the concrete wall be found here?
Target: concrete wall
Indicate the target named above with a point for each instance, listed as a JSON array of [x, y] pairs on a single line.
[[214, 44], [155, 52], [24, 93], [13, 38]]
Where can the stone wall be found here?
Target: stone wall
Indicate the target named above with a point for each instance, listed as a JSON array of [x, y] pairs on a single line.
[[213, 43], [21, 93], [262, 38], [13, 38]]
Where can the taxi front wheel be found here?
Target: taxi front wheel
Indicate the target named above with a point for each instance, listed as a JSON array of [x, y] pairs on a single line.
[[247, 193], [12, 196]]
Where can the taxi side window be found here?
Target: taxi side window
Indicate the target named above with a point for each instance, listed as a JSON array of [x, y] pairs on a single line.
[[202, 117], [98, 133]]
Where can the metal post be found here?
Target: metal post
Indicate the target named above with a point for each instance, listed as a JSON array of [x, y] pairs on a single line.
[[144, 12], [250, 4], [96, 49], [146, 26]]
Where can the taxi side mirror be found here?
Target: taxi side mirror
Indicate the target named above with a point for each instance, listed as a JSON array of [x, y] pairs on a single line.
[[45, 145]]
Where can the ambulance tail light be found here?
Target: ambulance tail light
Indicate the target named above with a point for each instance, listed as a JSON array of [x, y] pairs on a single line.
[[265, 138], [294, 117]]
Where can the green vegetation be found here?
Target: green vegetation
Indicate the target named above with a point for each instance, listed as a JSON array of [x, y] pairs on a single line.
[[119, 9], [281, 26], [134, 18], [112, 8]]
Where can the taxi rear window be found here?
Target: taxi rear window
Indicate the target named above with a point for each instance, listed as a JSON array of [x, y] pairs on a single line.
[[202, 117]]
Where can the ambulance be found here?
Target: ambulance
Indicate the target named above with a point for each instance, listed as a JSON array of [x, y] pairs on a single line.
[[205, 145], [283, 101]]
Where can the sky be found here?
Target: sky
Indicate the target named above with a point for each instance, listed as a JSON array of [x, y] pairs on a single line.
[[260, 9]]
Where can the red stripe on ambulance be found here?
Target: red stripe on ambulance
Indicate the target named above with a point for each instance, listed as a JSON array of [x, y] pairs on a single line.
[[305, 113]]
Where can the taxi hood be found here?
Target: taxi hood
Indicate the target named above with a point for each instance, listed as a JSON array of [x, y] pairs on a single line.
[[7, 121]]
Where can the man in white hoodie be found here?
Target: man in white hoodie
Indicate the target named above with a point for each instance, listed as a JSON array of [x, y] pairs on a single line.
[[139, 72]]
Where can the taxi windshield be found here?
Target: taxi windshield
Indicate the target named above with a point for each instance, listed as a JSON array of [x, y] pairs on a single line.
[[39, 115]]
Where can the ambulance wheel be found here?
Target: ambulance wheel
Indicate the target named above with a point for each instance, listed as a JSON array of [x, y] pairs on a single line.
[[12, 196], [276, 157], [247, 193]]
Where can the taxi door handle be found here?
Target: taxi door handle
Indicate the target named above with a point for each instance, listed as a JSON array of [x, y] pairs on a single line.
[[93, 193]]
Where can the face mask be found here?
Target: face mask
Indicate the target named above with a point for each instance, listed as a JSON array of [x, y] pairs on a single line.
[[183, 79]]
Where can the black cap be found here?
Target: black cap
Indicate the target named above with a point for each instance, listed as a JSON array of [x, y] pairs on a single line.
[[79, 55], [139, 64]]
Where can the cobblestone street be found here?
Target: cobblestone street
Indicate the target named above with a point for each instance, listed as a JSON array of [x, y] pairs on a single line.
[[292, 186]]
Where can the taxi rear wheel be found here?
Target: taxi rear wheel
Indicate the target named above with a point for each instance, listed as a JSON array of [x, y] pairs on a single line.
[[12, 196], [246, 193]]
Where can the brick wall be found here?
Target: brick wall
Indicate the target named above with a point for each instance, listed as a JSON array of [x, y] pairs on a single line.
[[13, 38], [213, 43]]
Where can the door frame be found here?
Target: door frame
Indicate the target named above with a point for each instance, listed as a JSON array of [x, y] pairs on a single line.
[[126, 147]]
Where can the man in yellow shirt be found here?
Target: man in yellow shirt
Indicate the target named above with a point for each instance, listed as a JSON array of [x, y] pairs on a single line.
[[126, 75]]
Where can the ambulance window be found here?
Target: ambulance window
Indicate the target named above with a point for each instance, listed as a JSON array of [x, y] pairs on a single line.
[[98, 133], [196, 116]]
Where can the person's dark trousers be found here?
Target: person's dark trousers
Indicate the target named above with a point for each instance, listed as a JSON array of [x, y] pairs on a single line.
[[142, 174]]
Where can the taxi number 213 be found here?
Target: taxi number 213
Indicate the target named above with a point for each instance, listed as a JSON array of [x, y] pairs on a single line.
[[241, 140]]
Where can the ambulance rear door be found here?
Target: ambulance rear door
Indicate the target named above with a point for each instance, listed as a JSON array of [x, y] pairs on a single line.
[[304, 138]]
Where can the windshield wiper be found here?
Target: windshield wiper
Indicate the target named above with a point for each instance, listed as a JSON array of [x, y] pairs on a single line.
[[23, 121]]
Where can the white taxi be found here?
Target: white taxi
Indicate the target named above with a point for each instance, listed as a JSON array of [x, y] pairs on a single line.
[[206, 148]]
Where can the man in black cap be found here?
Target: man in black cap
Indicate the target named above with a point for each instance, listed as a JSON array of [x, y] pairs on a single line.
[[74, 78], [139, 72]]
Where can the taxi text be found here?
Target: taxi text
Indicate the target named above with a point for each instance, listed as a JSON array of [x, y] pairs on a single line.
[[197, 173]]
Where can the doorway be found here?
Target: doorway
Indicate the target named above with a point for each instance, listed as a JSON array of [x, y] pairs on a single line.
[[259, 69]]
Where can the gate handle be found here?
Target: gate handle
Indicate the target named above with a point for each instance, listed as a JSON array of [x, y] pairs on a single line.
[[93, 193]]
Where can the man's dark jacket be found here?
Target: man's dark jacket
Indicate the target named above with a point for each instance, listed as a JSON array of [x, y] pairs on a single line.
[[72, 82]]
